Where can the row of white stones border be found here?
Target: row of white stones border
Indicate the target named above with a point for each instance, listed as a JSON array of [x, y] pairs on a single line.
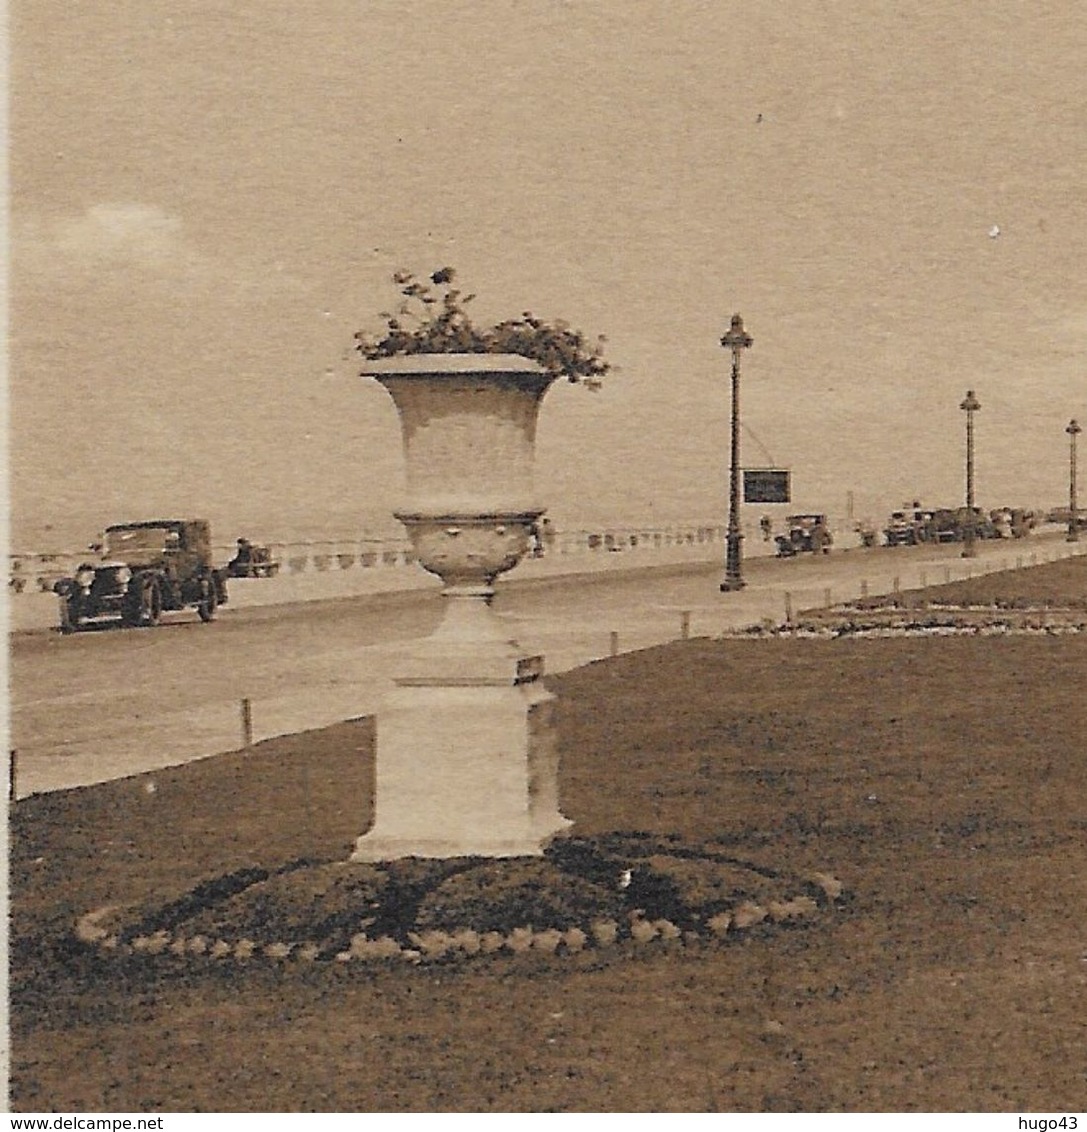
[[430, 945]]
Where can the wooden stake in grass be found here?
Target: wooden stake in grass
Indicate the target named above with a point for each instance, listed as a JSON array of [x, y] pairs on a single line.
[[896, 584], [12, 757], [826, 598], [614, 643], [788, 607], [685, 625], [947, 573], [247, 722], [864, 587]]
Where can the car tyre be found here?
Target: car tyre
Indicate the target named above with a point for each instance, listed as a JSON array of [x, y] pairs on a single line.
[[209, 599], [69, 614], [151, 608], [144, 606]]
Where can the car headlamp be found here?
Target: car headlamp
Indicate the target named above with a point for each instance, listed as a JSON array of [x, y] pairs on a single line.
[[84, 576], [123, 575]]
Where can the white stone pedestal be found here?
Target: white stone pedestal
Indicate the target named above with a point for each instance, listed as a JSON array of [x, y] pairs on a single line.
[[466, 757], [463, 770]]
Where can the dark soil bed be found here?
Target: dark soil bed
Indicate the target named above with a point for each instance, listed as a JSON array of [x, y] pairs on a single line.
[[940, 780], [622, 886]]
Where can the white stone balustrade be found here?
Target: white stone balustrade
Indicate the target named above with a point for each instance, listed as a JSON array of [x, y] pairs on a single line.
[[33, 571]]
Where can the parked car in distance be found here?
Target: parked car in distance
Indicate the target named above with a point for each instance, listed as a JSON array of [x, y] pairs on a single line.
[[942, 525], [984, 527], [1012, 522], [804, 533], [145, 569], [905, 528], [915, 525]]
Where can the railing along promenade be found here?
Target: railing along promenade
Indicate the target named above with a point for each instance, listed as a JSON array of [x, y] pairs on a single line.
[[32, 571], [315, 570]]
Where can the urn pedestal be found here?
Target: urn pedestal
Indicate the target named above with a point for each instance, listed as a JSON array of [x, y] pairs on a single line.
[[466, 759]]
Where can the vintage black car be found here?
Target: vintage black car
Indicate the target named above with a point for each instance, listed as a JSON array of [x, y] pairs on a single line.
[[144, 569], [804, 533]]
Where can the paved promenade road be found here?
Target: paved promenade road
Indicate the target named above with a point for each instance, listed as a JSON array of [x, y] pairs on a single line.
[[109, 703]]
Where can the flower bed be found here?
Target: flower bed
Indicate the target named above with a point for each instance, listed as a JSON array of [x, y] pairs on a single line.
[[895, 621], [585, 892], [1041, 600]]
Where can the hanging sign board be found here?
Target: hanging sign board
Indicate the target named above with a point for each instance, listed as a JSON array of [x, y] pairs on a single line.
[[766, 485]]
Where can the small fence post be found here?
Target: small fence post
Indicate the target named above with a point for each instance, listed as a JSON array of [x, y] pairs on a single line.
[[247, 722], [788, 607], [864, 587], [614, 645], [896, 584], [685, 625], [12, 757], [826, 598], [924, 579], [947, 573]]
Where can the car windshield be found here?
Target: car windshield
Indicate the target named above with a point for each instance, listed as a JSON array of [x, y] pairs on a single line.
[[129, 539]]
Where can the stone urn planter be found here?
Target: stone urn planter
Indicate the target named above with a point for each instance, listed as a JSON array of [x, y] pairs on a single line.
[[466, 763]]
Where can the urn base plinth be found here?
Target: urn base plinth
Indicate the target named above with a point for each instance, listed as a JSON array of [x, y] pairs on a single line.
[[468, 769]]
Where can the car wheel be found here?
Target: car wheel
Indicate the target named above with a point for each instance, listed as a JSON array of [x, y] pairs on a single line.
[[69, 614], [144, 606], [209, 599], [152, 609]]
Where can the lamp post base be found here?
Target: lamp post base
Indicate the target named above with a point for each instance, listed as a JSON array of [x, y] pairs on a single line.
[[734, 578]]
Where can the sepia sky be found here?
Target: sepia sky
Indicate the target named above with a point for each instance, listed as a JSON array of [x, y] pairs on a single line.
[[207, 200]]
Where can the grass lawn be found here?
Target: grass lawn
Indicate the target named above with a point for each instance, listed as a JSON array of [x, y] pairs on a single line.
[[941, 779]]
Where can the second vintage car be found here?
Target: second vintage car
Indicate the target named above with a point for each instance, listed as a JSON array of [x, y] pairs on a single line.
[[804, 533]]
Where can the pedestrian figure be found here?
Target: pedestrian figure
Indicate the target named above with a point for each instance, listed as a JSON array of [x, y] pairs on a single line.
[[535, 543], [242, 561], [548, 535]]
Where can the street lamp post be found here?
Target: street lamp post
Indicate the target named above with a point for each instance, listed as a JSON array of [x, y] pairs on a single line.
[[970, 406], [737, 340], [1073, 431]]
